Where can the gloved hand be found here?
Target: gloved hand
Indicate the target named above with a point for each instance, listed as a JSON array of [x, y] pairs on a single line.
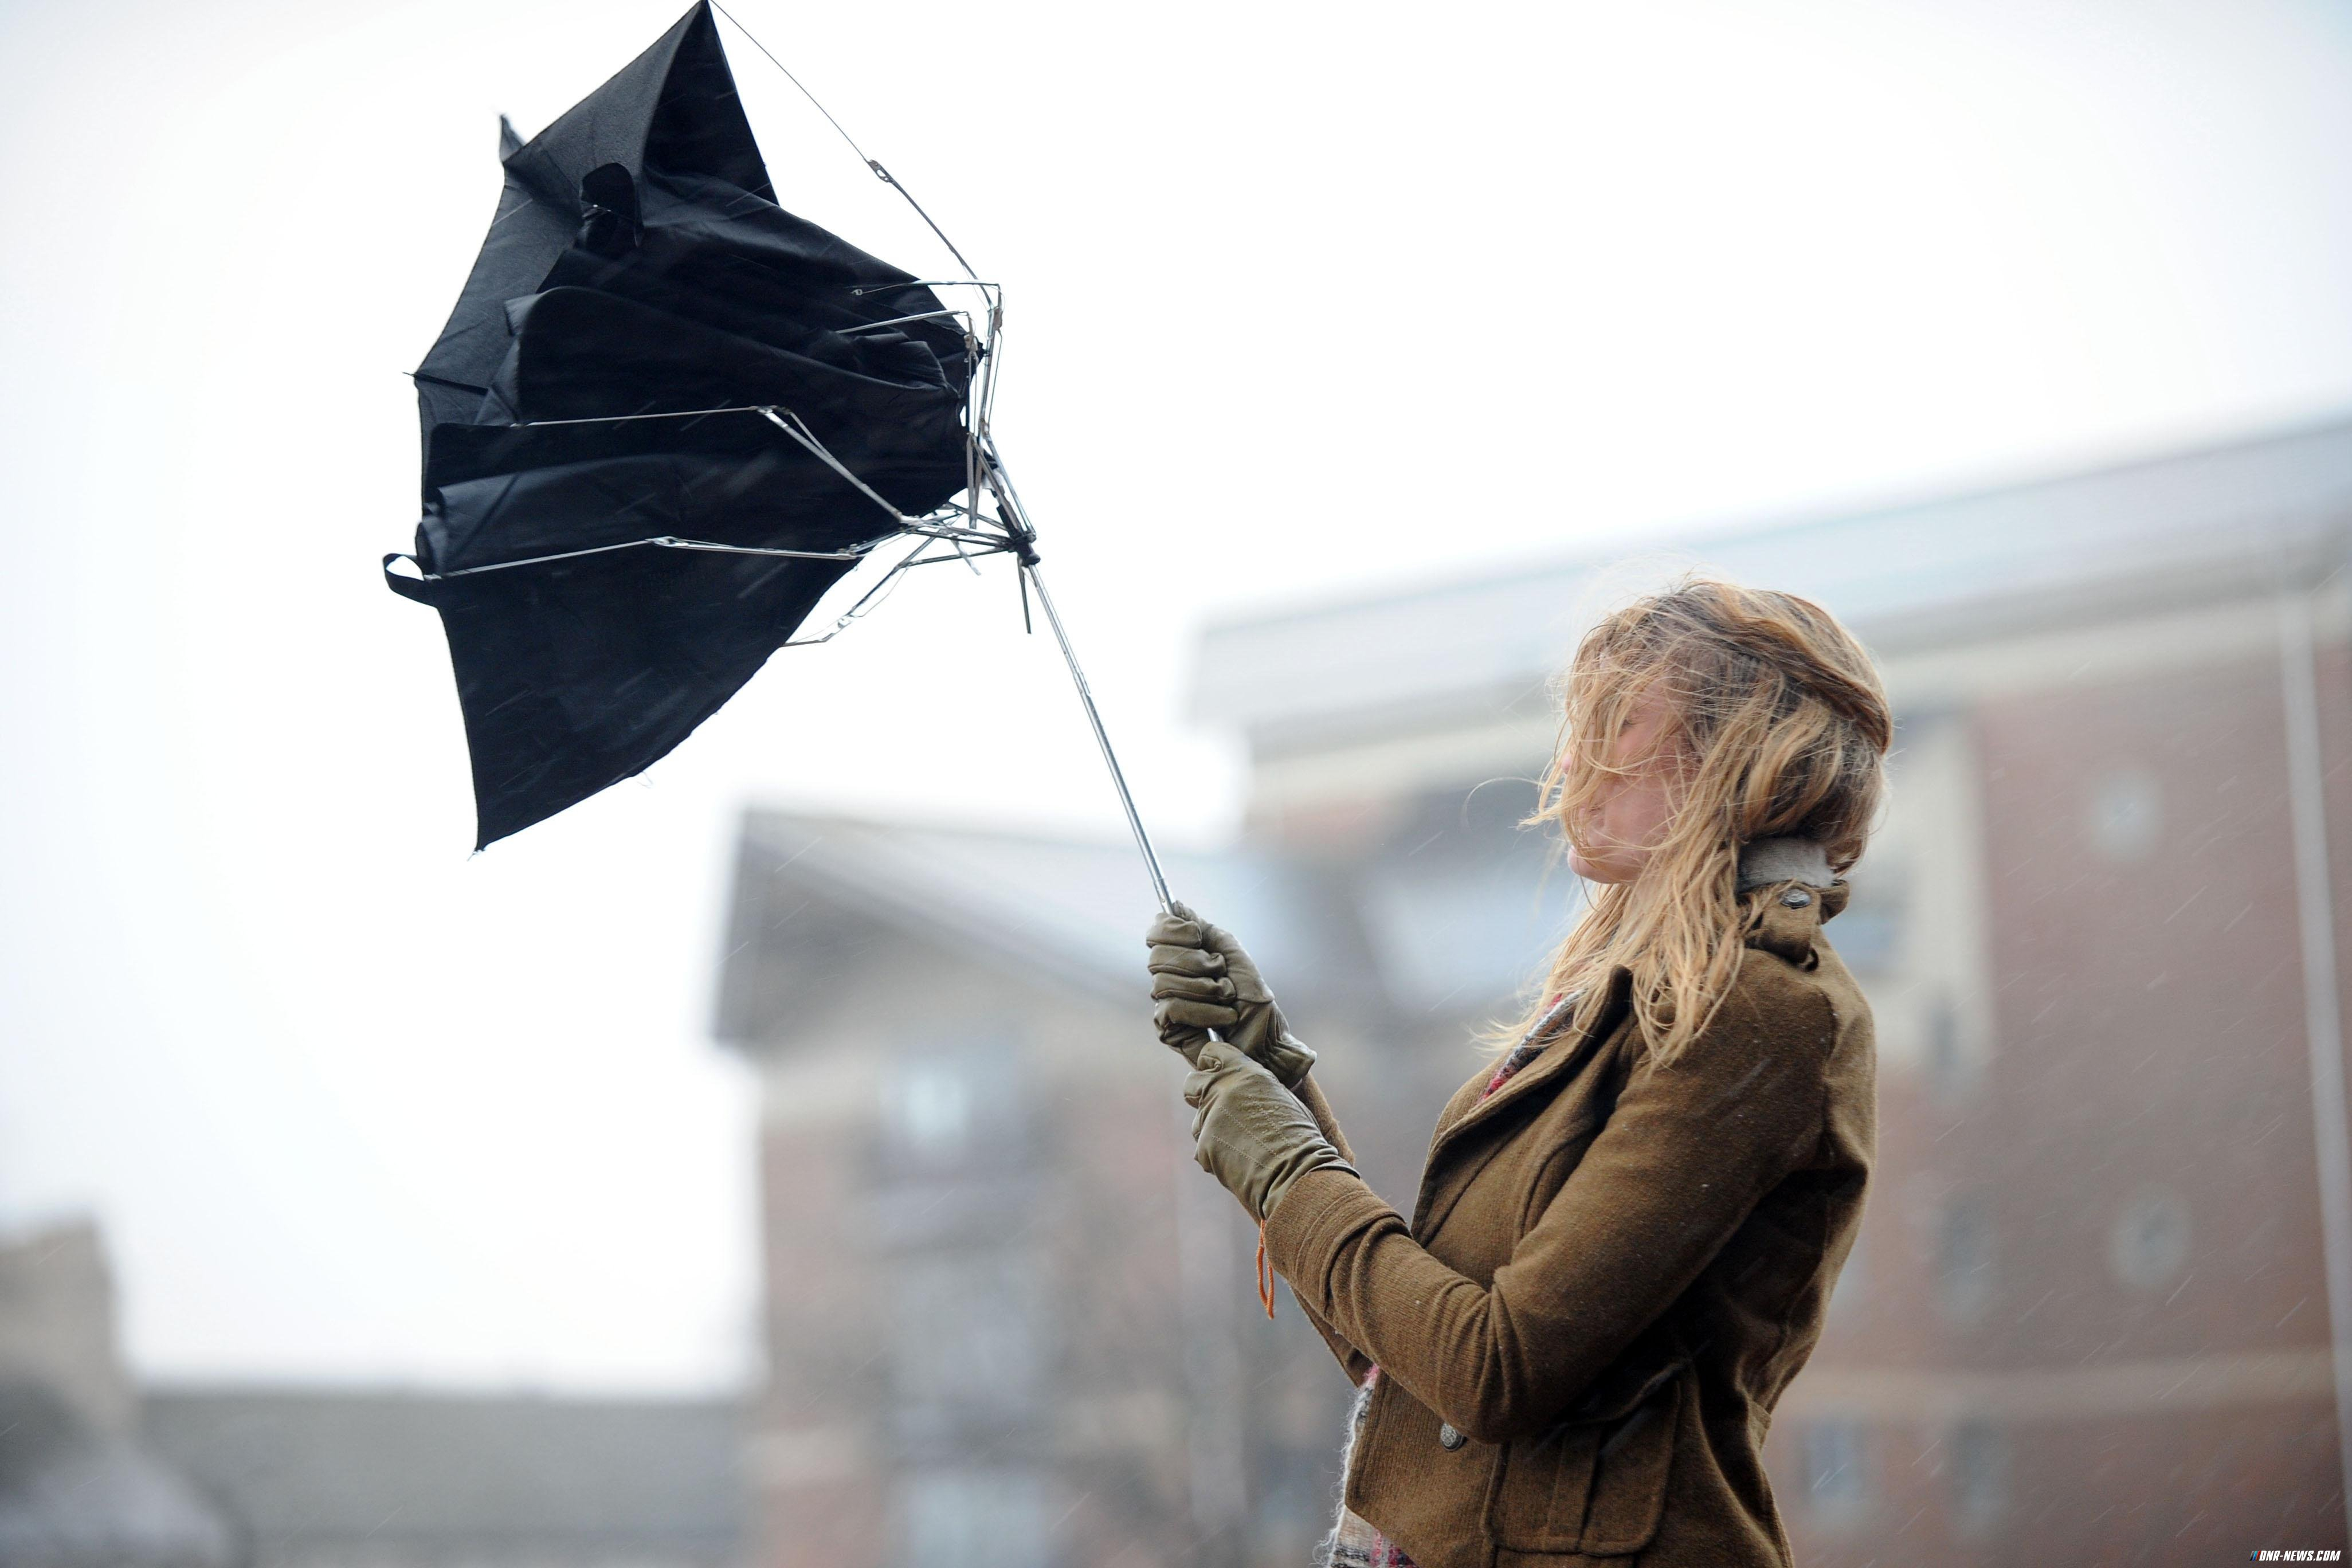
[[1201, 980], [1250, 1132]]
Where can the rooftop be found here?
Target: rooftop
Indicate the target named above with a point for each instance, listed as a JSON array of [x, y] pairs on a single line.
[[483, 1478], [1074, 909], [1435, 905], [2159, 531]]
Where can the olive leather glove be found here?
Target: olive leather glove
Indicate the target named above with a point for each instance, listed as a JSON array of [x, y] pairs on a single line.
[[1249, 1131], [1201, 980]]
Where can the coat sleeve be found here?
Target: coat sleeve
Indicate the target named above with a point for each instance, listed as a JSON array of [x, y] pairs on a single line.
[[1685, 1156], [1311, 1095], [1351, 1360]]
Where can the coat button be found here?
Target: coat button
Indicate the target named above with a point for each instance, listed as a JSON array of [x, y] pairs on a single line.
[[1449, 1439], [1796, 898]]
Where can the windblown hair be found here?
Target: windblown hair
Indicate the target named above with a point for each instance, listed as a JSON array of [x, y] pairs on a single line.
[[1778, 727]]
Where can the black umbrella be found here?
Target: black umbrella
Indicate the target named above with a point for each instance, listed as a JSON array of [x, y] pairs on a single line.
[[666, 416]]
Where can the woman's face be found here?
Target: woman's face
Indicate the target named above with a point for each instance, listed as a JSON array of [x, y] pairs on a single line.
[[1627, 818]]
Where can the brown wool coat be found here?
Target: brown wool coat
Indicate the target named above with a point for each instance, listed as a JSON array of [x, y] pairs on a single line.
[[1610, 1275]]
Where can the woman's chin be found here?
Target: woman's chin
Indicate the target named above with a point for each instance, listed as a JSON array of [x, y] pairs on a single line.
[[1602, 871]]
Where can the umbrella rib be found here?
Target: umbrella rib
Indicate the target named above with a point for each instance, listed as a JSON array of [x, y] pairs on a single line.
[[799, 431], [666, 541], [867, 601], [626, 419], [879, 172], [986, 544], [898, 321], [856, 552]]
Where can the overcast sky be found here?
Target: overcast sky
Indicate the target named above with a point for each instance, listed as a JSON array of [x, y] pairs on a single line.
[[1304, 300]]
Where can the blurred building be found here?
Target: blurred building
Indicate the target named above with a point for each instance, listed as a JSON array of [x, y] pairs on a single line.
[[96, 1474], [79, 1489], [1008, 1321], [2090, 1319], [375, 1479]]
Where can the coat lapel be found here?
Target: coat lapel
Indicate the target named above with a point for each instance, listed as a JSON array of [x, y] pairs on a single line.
[[1563, 1056], [1443, 1180]]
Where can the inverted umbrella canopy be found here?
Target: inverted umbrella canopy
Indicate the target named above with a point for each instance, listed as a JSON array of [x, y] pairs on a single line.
[[664, 417]]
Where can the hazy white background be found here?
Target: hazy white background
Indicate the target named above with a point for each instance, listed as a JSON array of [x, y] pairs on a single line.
[[1304, 299]]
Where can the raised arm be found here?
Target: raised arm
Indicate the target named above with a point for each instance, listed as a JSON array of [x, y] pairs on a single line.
[[1687, 1153]]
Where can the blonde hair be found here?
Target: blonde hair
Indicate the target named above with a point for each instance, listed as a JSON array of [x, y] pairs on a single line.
[[1777, 727]]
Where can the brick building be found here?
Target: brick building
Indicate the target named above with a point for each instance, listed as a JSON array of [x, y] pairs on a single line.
[[2090, 1319], [996, 1336]]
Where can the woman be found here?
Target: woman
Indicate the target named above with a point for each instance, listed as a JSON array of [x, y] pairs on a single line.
[[1628, 1228]]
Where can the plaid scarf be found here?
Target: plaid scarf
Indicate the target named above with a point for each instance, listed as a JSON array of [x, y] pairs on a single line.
[[1354, 1542]]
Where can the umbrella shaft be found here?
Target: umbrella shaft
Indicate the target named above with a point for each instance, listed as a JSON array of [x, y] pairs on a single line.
[[1102, 739]]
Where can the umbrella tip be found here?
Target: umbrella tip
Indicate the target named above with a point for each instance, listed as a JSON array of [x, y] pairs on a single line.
[[510, 139]]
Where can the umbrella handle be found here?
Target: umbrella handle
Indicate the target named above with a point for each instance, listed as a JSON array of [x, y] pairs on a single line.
[[1102, 737]]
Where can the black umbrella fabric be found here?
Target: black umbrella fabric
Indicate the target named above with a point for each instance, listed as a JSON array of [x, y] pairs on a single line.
[[664, 417]]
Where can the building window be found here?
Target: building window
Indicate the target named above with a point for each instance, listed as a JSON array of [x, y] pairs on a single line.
[[972, 1519], [1837, 1475], [946, 1109], [1951, 1068], [2149, 1243], [967, 1339], [934, 1106], [1979, 1474], [1964, 1267], [2125, 814]]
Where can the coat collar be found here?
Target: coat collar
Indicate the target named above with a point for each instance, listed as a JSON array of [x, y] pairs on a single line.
[[1764, 862], [1789, 929]]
